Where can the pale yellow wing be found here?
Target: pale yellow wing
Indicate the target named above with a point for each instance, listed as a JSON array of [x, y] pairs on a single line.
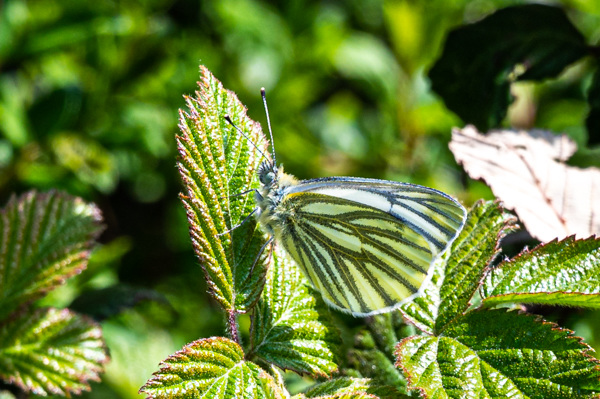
[[367, 245]]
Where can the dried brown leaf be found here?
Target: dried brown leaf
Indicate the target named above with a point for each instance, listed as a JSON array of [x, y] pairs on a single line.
[[526, 170]]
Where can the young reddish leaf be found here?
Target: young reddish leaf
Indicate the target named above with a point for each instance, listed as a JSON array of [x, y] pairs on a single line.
[[44, 239], [218, 165], [526, 170], [211, 368], [50, 351]]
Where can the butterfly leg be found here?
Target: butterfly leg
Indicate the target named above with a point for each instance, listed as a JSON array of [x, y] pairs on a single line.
[[242, 193], [239, 224], [269, 241]]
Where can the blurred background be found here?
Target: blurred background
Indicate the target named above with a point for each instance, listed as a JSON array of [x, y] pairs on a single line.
[[89, 99]]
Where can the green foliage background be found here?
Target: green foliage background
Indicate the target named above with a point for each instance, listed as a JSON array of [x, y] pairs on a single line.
[[89, 93]]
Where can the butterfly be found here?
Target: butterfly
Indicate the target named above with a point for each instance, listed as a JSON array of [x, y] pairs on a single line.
[[367, 245]]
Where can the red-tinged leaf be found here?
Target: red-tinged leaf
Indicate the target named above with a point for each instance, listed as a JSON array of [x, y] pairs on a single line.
[[211, 368], [51, 352], [44, 239], [217, 165]]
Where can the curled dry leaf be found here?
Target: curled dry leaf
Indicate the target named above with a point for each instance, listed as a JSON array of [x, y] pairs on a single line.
[[526, 170]]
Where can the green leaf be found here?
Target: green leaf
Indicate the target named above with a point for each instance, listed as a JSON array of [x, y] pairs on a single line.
[[373, 349], [455, 282], [592, 121], [211, 368], [493, 354], [563, 273], [347, 387], [479, 61], [45, 239], [291, 327], [470, 255], [51, 351], [422, 311], [217, 164], [55, 111], [104, 303]]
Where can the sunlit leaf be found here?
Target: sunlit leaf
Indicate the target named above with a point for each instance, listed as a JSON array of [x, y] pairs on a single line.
[[565, 273], [87, 159], [217, 165], [44, 239], [493, 354], [470, 256], [480, 60], [526, 170], [211, 368], [291, 328], [50, 351], [459, 275], [6, 395]]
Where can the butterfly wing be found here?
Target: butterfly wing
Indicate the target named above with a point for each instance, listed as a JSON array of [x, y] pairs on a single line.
[[367, 244]]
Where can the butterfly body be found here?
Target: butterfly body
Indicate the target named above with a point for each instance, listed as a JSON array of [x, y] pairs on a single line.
[[367, 245]]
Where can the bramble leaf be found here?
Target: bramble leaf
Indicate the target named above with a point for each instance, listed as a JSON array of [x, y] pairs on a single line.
[[217, 165], [44, 239], [372, 355], [565, 273], [459, 275], [346, 387], [480, 60], [291, 327], [491, 354], [471, 253], [211, 368], [50, 351]]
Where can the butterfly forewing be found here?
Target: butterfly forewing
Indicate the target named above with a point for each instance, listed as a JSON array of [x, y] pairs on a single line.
[[367, 245]]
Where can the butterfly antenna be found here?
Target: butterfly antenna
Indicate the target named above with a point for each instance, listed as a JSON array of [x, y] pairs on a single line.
[[228, 119], [264, 97]]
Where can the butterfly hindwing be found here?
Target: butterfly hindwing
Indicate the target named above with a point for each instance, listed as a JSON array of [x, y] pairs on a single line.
[[367, 245]]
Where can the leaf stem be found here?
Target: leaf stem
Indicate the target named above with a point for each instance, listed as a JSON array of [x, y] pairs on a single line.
[[232, 326]]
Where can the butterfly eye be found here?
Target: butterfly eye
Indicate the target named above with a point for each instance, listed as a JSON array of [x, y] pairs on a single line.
[[267, 178], [267, 173]]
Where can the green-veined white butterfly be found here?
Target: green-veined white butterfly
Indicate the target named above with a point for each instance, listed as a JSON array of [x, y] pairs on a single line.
[[367, 245]]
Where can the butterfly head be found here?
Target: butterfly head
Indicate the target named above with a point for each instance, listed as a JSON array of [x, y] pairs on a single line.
[[267, 173]]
